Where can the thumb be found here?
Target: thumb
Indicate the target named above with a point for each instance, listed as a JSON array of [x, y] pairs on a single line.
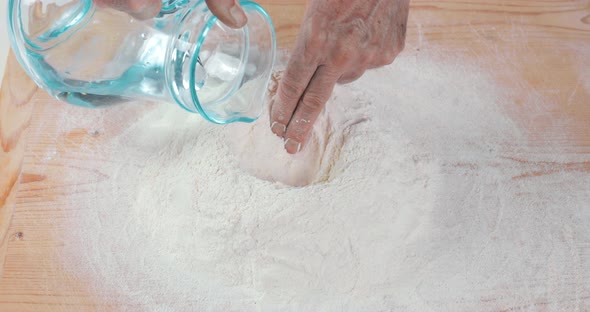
[[228, 12]]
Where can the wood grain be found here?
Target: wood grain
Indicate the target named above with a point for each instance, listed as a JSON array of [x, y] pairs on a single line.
[[543, 45], [15, 115]]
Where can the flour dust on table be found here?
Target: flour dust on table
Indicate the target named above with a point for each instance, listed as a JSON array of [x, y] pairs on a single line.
[[406, 197]]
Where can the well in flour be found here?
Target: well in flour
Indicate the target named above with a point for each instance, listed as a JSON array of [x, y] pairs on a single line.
[[409, 203]]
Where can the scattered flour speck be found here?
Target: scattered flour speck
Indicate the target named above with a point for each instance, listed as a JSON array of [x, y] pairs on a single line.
[[406, 200]]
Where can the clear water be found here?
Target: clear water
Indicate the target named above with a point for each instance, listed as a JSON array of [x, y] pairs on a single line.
[[138, 81], [114, 59], [93, 69]]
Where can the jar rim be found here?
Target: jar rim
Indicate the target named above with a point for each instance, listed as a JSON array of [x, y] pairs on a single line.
[[195, 104]]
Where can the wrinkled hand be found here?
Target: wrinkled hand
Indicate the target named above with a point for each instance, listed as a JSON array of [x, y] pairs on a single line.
[[229, 12], [338, 41]]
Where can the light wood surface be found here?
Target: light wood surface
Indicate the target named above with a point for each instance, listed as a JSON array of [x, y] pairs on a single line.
[[15, 115], [544, 45]]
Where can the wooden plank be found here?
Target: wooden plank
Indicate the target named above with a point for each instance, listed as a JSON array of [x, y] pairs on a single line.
[[41, 197], [515, 40], [15, 115]]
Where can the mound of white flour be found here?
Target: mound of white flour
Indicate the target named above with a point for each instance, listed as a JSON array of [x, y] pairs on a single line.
[[405, 206]]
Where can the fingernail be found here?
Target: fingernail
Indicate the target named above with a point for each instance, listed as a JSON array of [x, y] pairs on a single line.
[[292, 146], [238, 15], [278, 128]]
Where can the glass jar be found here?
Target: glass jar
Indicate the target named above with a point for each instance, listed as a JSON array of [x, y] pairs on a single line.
[[93, 56]]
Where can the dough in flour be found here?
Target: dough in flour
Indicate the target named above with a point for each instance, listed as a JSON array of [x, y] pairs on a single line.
[[262, 154]]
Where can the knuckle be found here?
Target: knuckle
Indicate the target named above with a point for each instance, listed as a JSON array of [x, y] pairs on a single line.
[[312, 102], [289, 90], [359, 28], [357, 74], [312, 52], [343, 57], [351, 76], [315, 41], [388, 56]]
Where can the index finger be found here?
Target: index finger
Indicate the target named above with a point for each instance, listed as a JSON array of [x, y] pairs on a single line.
[[311, 105], [293, 83]]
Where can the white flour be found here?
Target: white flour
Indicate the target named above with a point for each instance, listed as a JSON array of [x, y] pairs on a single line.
[[413, 202]]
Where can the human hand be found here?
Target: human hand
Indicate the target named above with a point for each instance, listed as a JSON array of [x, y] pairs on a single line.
[[338, 41], [228, 12]]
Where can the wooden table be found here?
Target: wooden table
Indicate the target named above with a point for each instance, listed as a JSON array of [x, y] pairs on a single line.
[[543, 44]]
